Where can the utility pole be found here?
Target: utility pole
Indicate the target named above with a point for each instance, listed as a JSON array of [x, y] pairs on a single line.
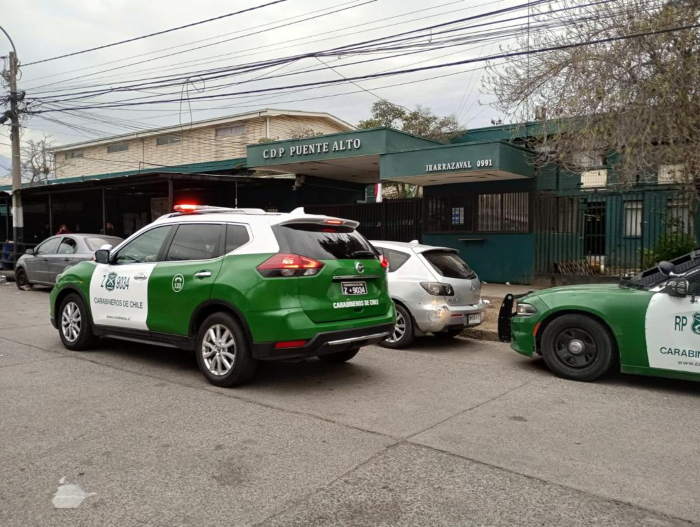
[[13, 114], [17, 212]]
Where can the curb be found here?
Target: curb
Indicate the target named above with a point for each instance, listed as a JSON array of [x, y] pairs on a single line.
[[480, 334]]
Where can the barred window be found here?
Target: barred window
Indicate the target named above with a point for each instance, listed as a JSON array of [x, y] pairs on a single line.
[[678, 218], [633, 218], [479, 213]]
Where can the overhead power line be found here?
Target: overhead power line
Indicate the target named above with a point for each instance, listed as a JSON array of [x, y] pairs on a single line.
[[417, 37], [254, 8], [386, 74]]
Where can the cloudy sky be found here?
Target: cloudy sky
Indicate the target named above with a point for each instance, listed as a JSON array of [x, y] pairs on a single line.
[[43, 28]]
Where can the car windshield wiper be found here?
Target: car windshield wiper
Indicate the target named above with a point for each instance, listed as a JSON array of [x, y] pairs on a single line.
[[358, 254]]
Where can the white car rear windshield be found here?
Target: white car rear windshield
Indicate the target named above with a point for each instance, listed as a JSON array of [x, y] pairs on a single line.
[[449, 264]]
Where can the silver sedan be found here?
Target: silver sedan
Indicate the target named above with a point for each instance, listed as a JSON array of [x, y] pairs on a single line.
[[47, 260], [434, 290]]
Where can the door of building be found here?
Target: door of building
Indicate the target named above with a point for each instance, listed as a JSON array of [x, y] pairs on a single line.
[[594, 229]]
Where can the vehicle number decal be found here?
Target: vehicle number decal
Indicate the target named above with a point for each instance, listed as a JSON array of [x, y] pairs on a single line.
[[354, 288], [113, 281]]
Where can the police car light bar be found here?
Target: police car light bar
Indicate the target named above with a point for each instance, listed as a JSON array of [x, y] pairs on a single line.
[[186, 207], [191, 208]]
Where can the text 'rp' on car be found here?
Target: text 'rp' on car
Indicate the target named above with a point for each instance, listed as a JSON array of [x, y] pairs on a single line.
[[237, 286]]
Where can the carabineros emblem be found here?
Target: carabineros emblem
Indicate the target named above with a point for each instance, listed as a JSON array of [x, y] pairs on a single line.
[[111, 281], [696, 324]]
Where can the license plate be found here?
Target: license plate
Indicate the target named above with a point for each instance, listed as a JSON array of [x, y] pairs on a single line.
[[474, 319], [354, 288]]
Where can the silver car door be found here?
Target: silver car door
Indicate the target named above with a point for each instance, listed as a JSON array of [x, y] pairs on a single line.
[[38, 266], [63, 258]]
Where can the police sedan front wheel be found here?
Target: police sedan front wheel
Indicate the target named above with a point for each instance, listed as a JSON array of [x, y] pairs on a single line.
[[578, 347], [74, 326], [223, 353]]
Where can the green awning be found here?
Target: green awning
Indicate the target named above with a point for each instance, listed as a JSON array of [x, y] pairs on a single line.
[[461, 163]]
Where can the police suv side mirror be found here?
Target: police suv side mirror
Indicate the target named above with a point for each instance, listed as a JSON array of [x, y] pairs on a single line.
[[102, 256], [666, 268], [677, 288]]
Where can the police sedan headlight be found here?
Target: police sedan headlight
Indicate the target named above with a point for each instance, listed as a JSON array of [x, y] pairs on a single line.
[[525, 310]]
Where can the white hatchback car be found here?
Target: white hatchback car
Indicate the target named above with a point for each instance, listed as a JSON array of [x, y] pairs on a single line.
[[434, 290]]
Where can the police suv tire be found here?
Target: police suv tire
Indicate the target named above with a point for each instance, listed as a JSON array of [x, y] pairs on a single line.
[[85, 339], [403, 317], [21, 280], [578, 366], [340, 357], [244, 365]]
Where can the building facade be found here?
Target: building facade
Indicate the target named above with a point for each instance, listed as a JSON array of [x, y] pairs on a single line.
[[482, 195], [207, 141]]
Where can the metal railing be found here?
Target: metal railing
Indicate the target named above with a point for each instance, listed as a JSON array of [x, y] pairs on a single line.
[[612, 233], [396, 220]]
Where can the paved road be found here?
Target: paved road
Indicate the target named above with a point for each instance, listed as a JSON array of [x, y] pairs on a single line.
[[449, 433]]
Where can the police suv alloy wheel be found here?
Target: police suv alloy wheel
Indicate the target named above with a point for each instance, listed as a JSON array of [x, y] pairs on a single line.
[[223, 354], [74, 325]]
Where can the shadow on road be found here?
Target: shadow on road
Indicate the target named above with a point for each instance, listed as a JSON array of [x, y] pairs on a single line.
[[300, 377]]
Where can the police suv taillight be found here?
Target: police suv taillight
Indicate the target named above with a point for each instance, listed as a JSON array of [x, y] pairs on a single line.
[[283, 264]]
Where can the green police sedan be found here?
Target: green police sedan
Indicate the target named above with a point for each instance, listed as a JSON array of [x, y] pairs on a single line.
[[648, 324]]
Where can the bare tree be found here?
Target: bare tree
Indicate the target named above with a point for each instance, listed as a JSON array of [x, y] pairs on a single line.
[[37, 160], [630, 103]]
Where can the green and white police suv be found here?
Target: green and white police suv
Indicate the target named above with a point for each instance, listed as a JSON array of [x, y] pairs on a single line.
[[648, 324], [237, 286]]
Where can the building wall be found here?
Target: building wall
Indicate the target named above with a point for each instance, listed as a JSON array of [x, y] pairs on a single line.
[[197, 146]]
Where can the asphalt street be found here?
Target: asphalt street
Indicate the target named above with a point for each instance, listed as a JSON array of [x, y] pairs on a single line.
[[449, 433]]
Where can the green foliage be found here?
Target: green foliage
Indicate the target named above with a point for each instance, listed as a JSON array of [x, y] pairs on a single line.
[[669, 246], [421, 121]]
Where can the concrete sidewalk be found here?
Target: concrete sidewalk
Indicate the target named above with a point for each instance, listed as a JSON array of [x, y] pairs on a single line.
[[494, 293]]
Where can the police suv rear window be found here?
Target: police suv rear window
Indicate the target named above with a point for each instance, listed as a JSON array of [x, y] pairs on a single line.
[[448, 264], [236, 236], [322, 242]]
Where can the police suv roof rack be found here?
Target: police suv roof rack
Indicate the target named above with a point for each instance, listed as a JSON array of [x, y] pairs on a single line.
[[208, 209]]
